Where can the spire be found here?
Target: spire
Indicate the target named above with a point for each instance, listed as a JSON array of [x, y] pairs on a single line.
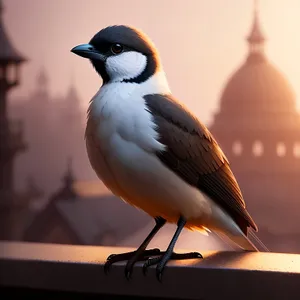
[[256, 38], [42, 78], [69, 177], [41, 91], [8, 53], [72, 78], [72, 106], [67, 191], [72, 95]]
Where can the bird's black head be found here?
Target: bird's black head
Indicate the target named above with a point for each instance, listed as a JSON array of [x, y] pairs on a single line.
[[121, 53]]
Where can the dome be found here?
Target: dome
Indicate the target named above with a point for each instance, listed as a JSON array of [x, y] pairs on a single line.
[[257, 96], [258, 86]]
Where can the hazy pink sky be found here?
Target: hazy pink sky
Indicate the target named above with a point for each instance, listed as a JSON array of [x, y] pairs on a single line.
[[201, 42]]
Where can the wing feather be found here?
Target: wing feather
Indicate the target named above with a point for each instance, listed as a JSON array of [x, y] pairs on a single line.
[[193, 153]]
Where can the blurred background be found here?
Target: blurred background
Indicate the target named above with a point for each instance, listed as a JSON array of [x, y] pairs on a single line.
[[234, 63]]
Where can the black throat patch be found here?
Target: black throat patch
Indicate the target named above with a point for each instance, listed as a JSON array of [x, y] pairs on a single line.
[[100, 68]]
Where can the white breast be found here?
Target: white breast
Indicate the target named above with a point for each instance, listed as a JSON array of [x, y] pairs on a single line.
[[118, 110], [121, 142]]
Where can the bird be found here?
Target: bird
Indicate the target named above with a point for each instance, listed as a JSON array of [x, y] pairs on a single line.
[[152, 152]]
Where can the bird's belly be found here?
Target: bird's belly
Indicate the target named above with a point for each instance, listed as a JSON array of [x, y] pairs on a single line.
[[146, 183], [139, 178]]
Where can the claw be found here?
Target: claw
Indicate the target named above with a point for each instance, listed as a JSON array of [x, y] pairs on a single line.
[[162, 262], [107, 267], [159, 271], [160, 268], [131, 257], [159, 276], [150, 262], [145, 266], [128, 274], [110, 256], [140, 254]]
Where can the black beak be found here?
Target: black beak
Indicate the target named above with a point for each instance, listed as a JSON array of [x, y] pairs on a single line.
[[88, 51]]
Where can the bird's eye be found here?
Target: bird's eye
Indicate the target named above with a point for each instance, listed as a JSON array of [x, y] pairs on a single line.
[[116, 48]]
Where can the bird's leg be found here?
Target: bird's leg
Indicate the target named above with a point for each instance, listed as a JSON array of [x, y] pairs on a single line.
[[164, 257], [140, 254]]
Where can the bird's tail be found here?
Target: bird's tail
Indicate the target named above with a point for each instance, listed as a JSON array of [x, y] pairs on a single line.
[[258, 241], [244, 242]]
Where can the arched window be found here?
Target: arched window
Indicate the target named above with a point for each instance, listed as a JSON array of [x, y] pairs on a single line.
[[296, 150], [281, 149], [237, 148], [258, 148]]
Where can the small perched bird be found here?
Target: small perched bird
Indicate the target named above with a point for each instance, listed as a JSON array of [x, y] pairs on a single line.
[[154, 153]]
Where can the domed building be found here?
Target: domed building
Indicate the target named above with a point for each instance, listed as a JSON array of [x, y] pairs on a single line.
[[258, 127]]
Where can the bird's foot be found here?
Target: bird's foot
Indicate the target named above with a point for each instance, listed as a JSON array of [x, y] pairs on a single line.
[[164, 257], [131, 257]]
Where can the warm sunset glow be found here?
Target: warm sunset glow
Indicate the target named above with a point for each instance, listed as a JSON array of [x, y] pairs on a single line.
[[215, 30], [90, 188], [234, 65]]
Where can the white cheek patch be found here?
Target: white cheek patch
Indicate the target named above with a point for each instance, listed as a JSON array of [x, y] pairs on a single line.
[[125, 66]]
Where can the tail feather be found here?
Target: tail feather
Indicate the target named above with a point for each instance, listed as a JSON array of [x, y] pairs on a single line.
[[242, 241], [256, 238]]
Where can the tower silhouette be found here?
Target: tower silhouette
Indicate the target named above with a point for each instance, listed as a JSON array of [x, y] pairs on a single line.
[[258, 127], [11, 132]]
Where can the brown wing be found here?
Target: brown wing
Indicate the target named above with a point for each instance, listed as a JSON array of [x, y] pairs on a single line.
[[194, 155]]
